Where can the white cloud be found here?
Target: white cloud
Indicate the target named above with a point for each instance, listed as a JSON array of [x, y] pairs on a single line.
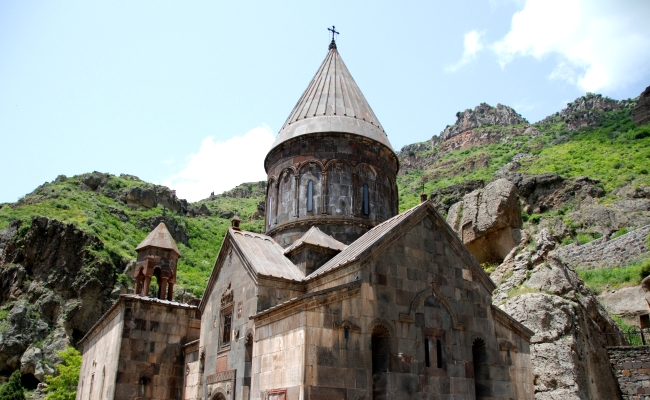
[[472, 45], [600, 44], [220, 166]]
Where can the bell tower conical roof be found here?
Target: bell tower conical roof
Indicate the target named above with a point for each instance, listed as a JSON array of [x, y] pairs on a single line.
[[332, 103]]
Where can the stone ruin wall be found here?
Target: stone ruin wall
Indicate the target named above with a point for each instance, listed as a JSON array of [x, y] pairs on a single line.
[[602, 252], [632, 368]]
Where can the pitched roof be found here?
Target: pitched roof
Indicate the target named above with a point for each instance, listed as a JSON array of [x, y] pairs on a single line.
[[160, 238], [332, 103], [265, 255], [359, 246], [316, 237]]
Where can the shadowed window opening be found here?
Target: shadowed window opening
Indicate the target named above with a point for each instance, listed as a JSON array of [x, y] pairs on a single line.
[[310, 195], [227, 323], [366, 199], [380, 349], [439, 353], [346, 332], [427, 361]]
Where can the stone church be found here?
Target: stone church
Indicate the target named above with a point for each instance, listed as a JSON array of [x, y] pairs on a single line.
[[341, 297]]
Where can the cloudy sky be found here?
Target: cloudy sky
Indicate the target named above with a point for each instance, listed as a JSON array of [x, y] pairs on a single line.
[[192, 94]]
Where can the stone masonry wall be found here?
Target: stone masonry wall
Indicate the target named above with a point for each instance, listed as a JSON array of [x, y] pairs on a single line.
[[338, 165], [632, 367], [602, 253]]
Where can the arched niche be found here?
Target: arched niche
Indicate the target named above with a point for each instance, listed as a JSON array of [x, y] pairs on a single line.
[[364, 191], [286, 196], [309, 194], [339, 188]]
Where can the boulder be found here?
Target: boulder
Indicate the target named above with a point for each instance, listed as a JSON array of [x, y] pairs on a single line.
[[141, 197], [628, 303], [445, 197], [488, 221]]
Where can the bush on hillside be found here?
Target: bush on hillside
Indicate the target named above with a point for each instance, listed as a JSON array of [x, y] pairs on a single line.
[[64, 385], [13, 390]]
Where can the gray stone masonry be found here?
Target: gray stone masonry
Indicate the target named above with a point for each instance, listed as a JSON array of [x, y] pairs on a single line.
[[632, 367], [602, 252]]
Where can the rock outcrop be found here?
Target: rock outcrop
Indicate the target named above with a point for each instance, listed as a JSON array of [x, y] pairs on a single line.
[[55, 282], [571, 327], [586, 111], [641, 113], [482, 115], [544, 192], [445, 197], [488, 221], [604, 252]]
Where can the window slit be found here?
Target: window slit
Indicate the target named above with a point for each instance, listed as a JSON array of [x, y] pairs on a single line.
[[310, 195], [427, 361], [366, 199], [439, 353]]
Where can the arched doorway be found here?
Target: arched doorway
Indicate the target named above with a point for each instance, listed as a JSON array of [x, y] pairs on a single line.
[[381, 346], [481, 369]]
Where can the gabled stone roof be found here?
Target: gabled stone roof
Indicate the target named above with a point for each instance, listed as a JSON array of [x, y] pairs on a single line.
[[318, 238], [265, 256], [359, 246], [159, 238], [332, 103]]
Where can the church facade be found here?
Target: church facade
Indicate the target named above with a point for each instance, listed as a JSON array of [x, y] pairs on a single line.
[[341, 297]]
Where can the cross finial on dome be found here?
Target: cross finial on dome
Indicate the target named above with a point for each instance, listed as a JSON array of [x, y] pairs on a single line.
[[334, 32]]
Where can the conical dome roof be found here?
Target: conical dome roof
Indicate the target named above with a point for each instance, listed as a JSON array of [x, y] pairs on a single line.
[[332, 103], [160, 238]]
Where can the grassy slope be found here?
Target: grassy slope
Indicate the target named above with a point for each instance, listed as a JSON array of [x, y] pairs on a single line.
[[616, 152], [91, 212]]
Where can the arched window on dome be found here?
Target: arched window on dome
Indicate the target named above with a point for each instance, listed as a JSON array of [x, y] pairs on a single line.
[[270, 212], [366, 199]]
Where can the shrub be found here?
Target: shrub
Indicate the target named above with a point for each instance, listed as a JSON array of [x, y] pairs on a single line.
[[534, 218], [619, 232], [645, 269], [13, 390], [64, 385], [583, 238]]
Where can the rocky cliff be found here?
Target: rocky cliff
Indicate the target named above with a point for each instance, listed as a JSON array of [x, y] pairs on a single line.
[[55, 282], [587, 111], [482, 115]]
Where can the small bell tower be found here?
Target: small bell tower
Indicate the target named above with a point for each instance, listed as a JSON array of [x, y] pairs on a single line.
[[157, 257]]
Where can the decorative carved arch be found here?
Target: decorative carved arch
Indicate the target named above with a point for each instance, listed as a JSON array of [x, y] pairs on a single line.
[[219, 394], [419, 299], [330, 163], [359, 166], [310, 161], [383, 325]]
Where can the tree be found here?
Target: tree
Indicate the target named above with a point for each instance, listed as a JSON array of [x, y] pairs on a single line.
[[13, 390], [64, 385]]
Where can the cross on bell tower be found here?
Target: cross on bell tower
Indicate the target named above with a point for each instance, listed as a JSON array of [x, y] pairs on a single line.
[[334, 32]]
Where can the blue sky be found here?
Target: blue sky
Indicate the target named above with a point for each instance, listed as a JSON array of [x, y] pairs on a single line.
[[191, 94]]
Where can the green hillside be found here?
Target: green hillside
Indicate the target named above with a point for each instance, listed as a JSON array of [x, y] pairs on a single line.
[[615, 152], [121, 227]]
